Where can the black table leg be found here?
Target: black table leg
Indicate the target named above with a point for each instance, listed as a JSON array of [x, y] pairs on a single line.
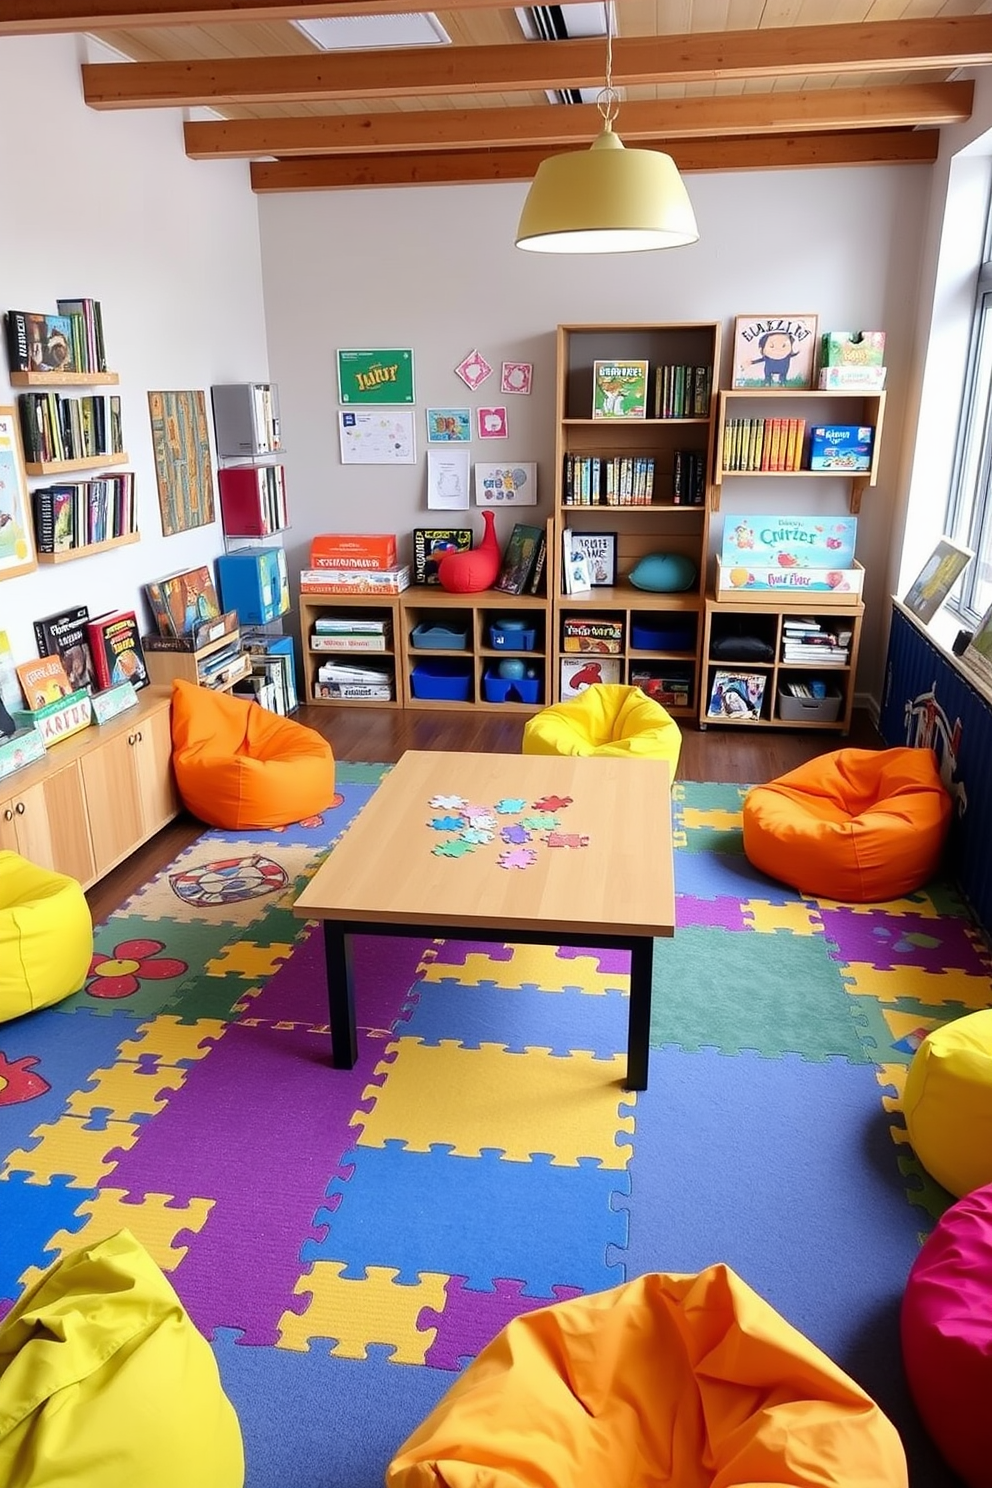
[[639, 1018], [340, 995]]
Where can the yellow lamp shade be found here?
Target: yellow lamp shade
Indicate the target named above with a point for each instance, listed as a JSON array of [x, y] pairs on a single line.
[[606, 199]]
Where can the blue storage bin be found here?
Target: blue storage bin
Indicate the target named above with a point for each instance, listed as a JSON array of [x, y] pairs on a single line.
[[667, 634], [504, 636], [498, 689], [443, 680], [253, 581], [439, 638]]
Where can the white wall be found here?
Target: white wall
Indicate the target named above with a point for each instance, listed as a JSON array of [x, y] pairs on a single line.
[[435, 268], [106, 205]]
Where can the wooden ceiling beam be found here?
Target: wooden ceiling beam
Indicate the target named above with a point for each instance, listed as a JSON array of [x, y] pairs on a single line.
[[42, 17], [467, 167], [810, 111], [412, 72]]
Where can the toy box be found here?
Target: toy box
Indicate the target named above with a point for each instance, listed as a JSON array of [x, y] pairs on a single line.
[[374, 550], [602, 636], [777, 541], [355, 580], [852, 349], [850, 378], [844, 447], [255, 583], [742, 580]]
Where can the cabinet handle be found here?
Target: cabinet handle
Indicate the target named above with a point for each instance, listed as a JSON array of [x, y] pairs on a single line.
[[130, 740], [138, 736], [19, 808], [8, 814]]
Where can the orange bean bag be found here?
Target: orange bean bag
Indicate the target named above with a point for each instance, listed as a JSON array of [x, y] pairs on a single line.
[[238, 765], [693, 1380], [860, 825]]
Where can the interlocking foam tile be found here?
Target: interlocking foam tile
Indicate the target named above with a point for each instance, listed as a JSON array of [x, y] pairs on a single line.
[[709, 832], [936, 898], [799, 918], [154, 1220], [772, 994], [888, 1033], [932, 989], [883, 941], [315, 832], [64, 1062], [214, 866], [30, 1213], [141, 950], [519, 1017], [353, 1314], [725, 914], [81, 1151], [471, 1319], [921, 1189], [535, 966], [128, 1091], [547, 1224], [726, 875], [704, 796], [166, 1040], [520, 1104]]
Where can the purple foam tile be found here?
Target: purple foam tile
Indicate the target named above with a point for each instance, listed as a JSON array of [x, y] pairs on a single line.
[[723, 914], [611, 962], [260, 1126], [385, 969], [455, 952], [888, 941], [469, 1320]]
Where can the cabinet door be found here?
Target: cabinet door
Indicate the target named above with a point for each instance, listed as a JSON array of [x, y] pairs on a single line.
[[8, 831], [113, 799], [152, 758], [51, 827]]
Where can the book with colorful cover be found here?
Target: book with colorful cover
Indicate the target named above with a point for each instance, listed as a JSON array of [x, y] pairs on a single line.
[[10, 687], [518, 558], [737, 695], [789, 542], [181, 600], [39, 343], [116, 648], [430, 544], [620, 389], [64, 635], [43, 681]]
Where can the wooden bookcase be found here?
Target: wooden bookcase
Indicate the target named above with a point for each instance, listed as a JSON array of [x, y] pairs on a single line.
[[385, 607], [193, 665], [661, 525]]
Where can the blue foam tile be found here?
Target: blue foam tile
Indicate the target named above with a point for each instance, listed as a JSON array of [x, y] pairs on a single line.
[[367, 1409], [30, 1214], [318, 832], [520, 1017], [533, 1222], [729, 876]]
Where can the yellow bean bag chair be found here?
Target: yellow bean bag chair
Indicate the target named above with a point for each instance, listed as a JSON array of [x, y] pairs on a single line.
[[859, 825], [947, 1103], [46, 936], [606, 719], [688, 1380], [104, 1380], [239, 766]]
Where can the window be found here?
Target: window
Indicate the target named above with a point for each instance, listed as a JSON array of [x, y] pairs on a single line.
[[970, 512]]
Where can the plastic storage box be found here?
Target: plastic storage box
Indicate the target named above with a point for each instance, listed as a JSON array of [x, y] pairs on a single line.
[[254, 582], [810, 710], [444, 681], [498, 689], [670, 634], [439, 638], [507, 635]]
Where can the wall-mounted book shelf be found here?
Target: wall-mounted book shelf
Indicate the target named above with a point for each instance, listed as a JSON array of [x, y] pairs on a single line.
[[64, 379], [66, 555], [63, 467]]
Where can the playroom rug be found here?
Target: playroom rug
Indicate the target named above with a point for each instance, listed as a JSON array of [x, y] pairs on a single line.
[[347, 1240]]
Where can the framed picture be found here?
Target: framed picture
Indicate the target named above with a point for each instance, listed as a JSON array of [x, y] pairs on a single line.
[[449, 425], [506, 485], [600, 549], [936, 579], [978, 652], [17, 551], [183, 469], [379, 376], [774, 351], [492, 423]]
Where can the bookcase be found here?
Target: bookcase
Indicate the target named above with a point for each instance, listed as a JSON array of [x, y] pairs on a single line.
[[646, 480], [212, 657], [383, 608]]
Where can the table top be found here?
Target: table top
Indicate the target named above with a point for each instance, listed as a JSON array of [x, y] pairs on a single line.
[[613, 870]]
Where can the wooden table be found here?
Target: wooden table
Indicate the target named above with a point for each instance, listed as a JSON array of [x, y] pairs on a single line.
[[616, 891]]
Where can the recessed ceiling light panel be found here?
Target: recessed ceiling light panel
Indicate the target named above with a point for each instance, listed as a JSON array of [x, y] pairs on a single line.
[[354, 33]]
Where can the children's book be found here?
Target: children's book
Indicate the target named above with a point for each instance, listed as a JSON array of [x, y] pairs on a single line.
[[518, 558], [620, 389], [575, 565], [180, 600], [10, 687], [64, 635], [580, 672], [737, 695], [116, 649], [789, 542], [43, 681], [430, 544]]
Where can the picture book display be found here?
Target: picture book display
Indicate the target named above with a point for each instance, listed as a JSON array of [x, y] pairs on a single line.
[[843, 447], [575, 565], [39, 343], [936, 579], [736, 695], [600, 549], [181, 600], [64, 635], [620, 389], [430, 544], [116, 648], [43, 681], [518, 558], [789, 552], [774, 351]]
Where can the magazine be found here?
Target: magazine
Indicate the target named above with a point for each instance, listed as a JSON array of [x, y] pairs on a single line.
[[737, 695]]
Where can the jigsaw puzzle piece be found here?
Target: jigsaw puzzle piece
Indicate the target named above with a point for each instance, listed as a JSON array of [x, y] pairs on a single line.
[[566, 1107], [929, 988], [798, 918], [42, 1210], [155, 1220], [470, 1319], [353, 1314], [83, 1152], [571, 1219]]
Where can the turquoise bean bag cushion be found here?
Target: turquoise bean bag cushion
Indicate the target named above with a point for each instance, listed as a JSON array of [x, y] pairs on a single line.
[[664, 573]]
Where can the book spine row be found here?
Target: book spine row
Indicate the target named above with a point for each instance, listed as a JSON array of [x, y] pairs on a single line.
[[763, 444], [682, 392], [689, 478], [81, 513], [601, 480], [54, 427]]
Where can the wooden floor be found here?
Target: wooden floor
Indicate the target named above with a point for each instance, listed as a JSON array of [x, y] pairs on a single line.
[[382, 734]]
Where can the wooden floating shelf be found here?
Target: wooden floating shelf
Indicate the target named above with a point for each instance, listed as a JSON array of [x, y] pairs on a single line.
[[64, 467], [64, 379], [68, 554]]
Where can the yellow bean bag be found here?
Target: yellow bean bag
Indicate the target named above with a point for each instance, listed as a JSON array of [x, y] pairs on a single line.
[[104, 1380], [46, 936], [688, 1380], [947, 1103], [239, 766], [606, 719], [859, 825]]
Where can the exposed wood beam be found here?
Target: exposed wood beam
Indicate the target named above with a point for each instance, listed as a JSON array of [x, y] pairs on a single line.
[[813, 111], [328, 173], [35, 17], [413, 72]]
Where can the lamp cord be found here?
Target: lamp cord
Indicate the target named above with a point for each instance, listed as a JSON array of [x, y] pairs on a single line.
[[608, 99]]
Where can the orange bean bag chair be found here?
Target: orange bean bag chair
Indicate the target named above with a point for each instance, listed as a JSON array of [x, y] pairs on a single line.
[[860, 825], [238, 765], [688, 1380]]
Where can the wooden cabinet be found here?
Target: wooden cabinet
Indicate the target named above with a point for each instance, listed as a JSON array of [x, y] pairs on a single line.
[[732, 627], [219, 663], [665, 459], [466, 674], [95, 797]]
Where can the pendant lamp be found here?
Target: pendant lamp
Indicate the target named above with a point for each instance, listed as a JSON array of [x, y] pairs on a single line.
[[606, 199]]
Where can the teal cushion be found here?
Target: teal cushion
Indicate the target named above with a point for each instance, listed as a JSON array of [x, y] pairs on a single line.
[[665, 573]]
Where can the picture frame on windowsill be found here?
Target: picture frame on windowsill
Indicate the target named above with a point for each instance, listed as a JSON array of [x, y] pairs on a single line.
[[936, 579]]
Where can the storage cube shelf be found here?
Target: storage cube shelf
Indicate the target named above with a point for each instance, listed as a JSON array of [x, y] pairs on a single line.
[[246, 418], [252, 500]]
